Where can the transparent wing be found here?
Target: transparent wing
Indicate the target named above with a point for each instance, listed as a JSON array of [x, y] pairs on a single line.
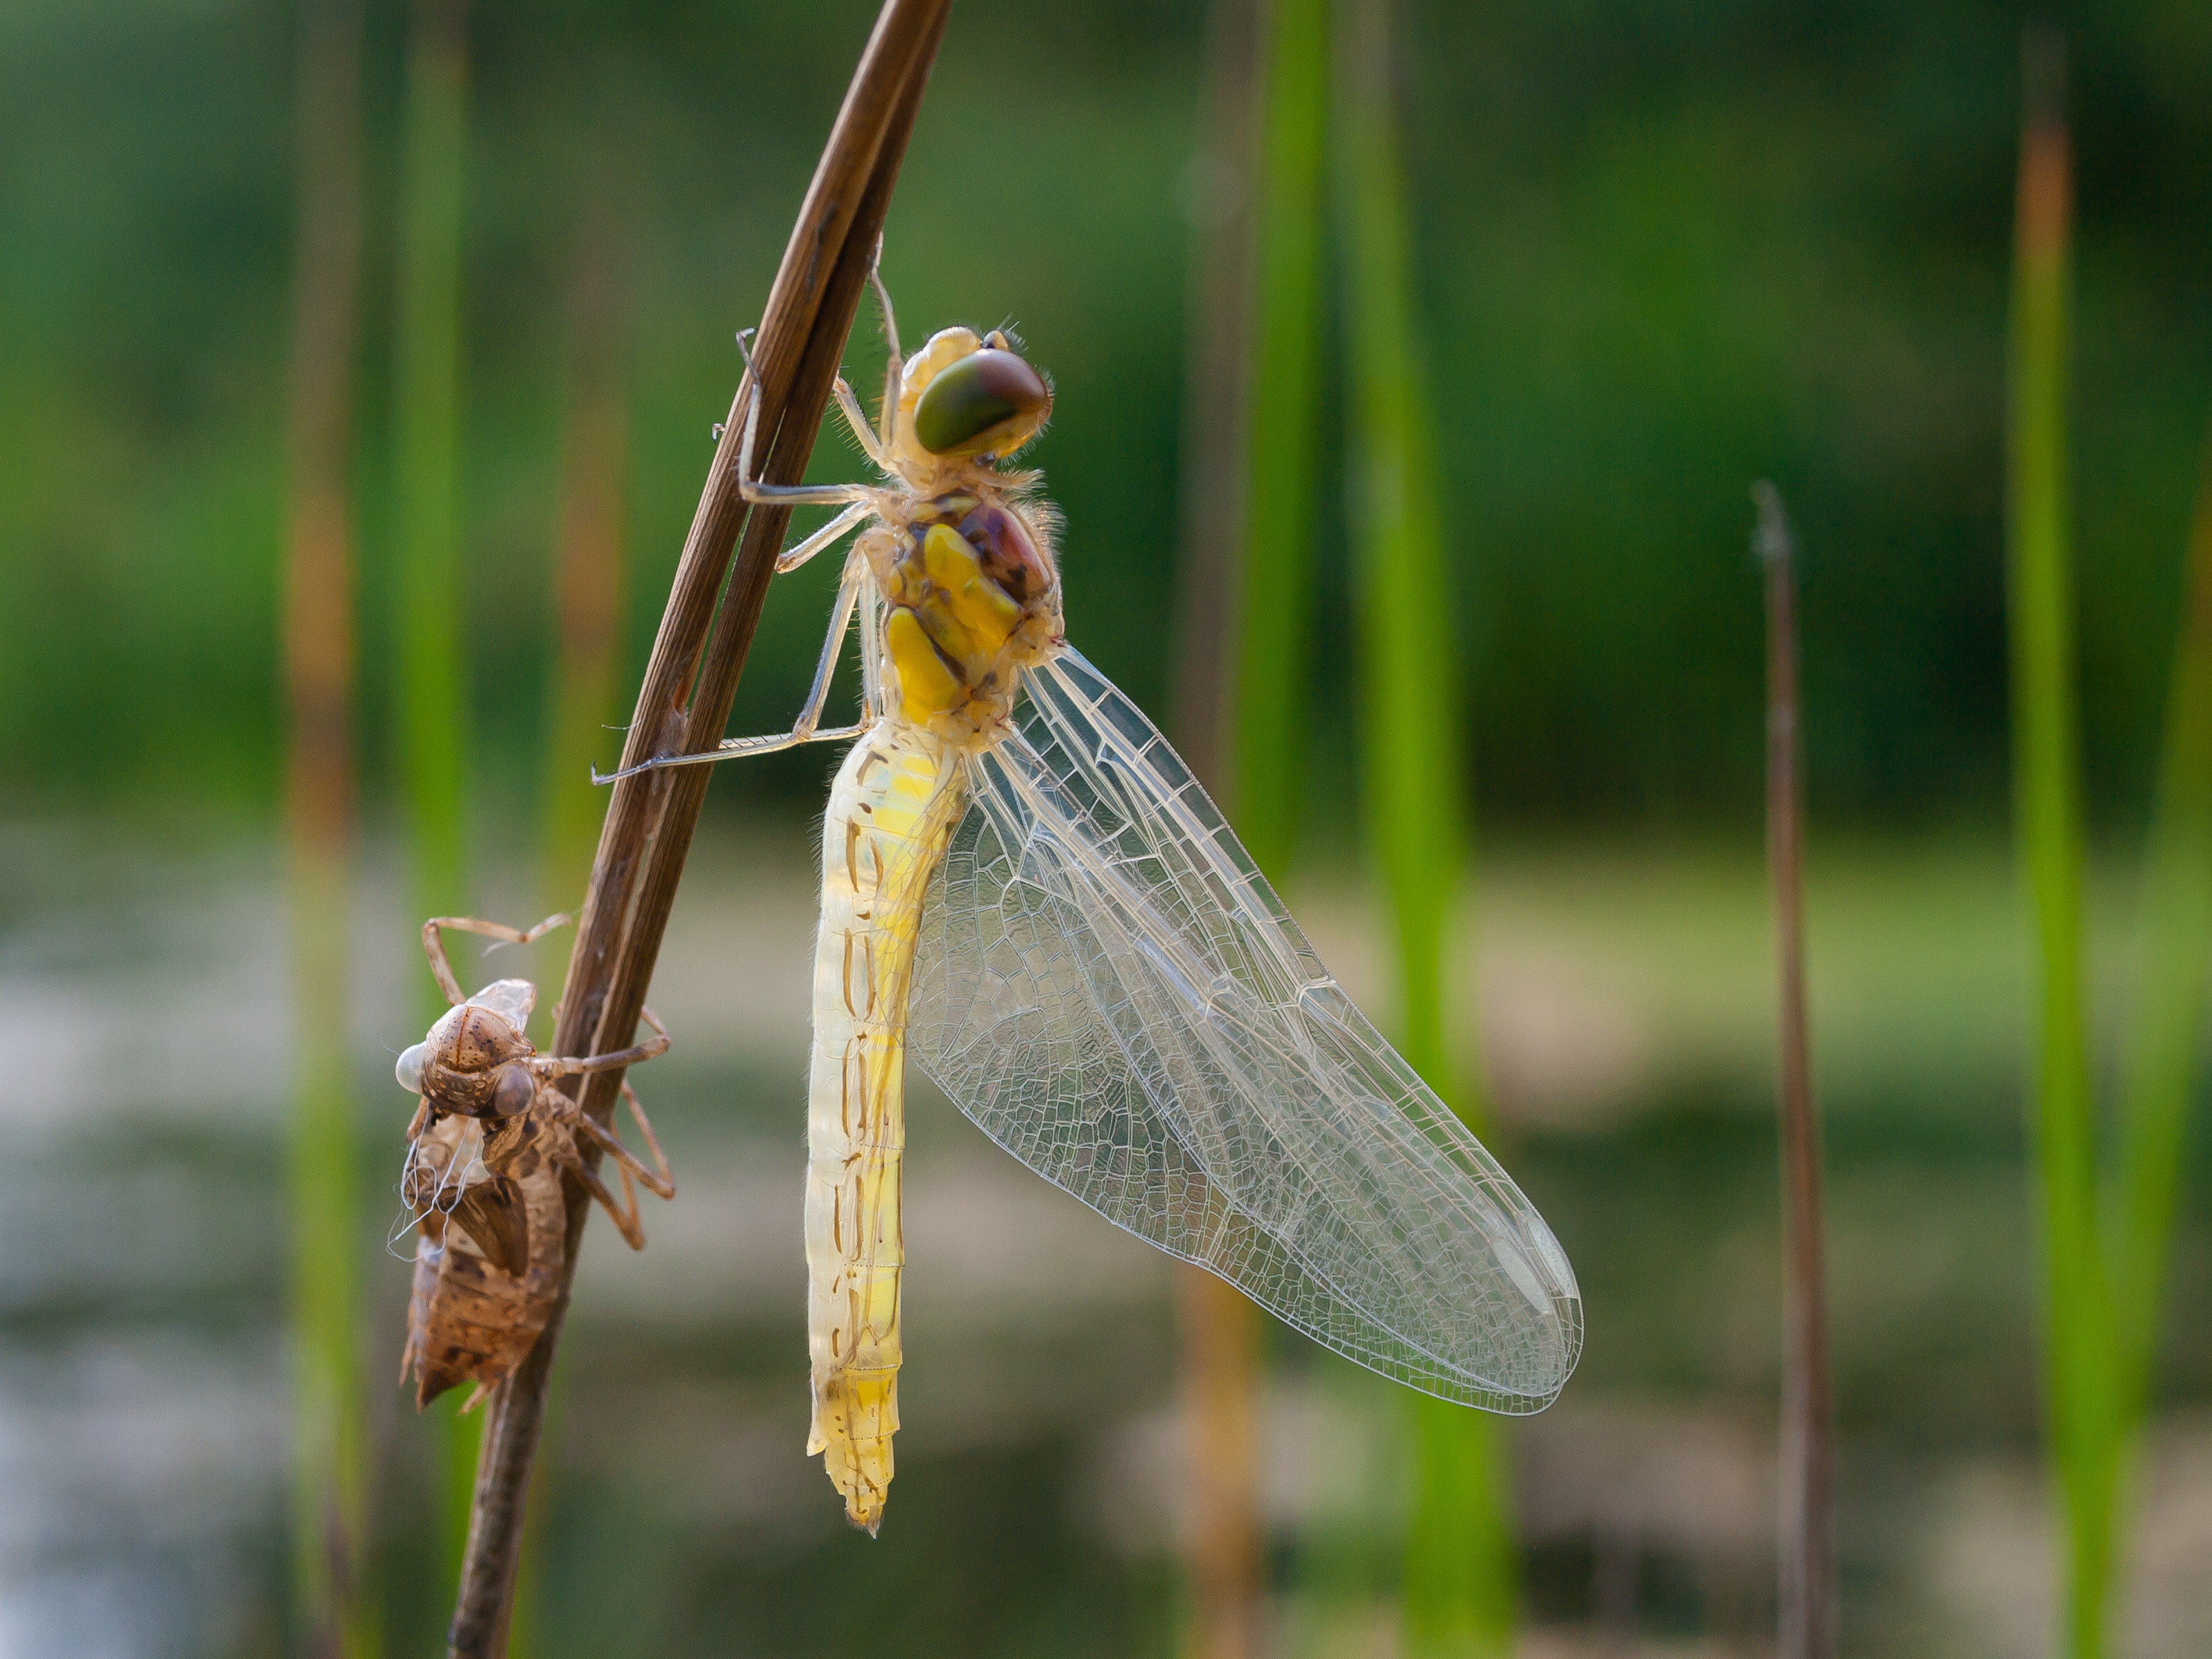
[[512, 999], [1112, 991]]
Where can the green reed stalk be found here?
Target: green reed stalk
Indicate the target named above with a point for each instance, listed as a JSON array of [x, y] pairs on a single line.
[[330, 1540], [1275, 600], [432, 694], [2078, 1331], [2159, 1078], [1459, 1586]]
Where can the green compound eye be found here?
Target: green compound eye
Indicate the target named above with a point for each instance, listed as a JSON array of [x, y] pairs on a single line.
[[989, 400]]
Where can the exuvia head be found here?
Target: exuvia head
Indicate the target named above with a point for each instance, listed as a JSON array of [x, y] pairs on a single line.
[[974, 397], [473, 1064]]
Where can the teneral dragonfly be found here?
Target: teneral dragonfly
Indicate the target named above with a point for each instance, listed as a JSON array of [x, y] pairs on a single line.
[[1024, 887]]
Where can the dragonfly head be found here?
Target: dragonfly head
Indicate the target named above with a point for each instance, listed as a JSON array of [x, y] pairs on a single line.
[[971, 397]]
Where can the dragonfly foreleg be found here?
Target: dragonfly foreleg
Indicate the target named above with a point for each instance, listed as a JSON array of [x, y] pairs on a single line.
[[637, 1054], [856, 418], [433, 944], [804, 730], [779, 494], [895, 364]]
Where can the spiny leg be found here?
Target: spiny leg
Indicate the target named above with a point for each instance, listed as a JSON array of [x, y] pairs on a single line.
[[849, 405], [627, 1221], [625, 1216], [799, 552], [547, 1066], [786, 495], [804, 729], [433, 944], [895, 365], [663, 1183]]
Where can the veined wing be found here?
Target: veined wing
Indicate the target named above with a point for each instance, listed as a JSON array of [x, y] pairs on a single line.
[[1108, 986]]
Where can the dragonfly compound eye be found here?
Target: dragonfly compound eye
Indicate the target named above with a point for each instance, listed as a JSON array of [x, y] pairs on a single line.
[[408, 1070], [514, 1091], [989, 402]]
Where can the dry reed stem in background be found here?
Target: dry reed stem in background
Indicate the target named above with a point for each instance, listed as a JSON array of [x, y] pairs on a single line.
[[685, 699], [1807, 1614], [1218, 1329]]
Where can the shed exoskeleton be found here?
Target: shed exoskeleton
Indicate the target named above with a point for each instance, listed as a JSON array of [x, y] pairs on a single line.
[[491, 1143]]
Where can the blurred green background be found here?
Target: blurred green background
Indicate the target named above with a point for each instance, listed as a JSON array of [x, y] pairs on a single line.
[[1663, 250]]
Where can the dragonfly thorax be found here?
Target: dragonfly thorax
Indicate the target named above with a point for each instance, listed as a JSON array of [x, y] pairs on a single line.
[[971, 599]]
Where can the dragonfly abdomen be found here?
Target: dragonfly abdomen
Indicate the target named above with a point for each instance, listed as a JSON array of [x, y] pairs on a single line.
[[891, 811]]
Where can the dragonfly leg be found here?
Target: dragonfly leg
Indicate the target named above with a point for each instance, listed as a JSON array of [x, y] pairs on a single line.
[[799, 552], [856, 418], [433, 944], [662, 1181], [624, 1215], [783, 494], [636, 1054], [806, 728], [895, 365]]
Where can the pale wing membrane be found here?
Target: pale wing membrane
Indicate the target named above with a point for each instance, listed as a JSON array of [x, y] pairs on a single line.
[[1112, 991]]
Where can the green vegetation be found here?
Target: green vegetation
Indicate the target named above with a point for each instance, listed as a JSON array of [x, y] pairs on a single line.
[[1276, 586], [436, 761], [1651, 256], [2102, 1286], [330, 1497], [1459, 1561], [1656, 260], [331, 1545], [433, 702], [2164, 1058]]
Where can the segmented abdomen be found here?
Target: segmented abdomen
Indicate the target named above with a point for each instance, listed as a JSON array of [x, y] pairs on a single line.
[[469, 1319], [891, 813]]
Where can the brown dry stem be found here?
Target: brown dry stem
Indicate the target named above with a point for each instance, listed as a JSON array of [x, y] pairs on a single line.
[[684, 703], [1808, 1601]]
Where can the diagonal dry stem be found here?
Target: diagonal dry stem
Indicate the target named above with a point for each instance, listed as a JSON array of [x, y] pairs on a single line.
[[689, 682]]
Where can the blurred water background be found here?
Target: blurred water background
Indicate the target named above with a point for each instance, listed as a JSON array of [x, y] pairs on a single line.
[[1663, 250]]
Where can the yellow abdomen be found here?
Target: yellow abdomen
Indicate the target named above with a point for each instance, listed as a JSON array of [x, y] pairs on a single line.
[[893, 808]]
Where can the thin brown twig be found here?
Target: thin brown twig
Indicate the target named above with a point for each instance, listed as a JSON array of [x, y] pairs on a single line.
[[686, 697], [1808, 1619], [1218, 1335]]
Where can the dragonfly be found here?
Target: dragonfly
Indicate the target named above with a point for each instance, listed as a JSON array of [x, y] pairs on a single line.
[[1024, 889]]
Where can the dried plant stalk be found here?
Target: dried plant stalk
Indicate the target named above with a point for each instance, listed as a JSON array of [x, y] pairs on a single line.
[[1807, 1612], [686, 700], [1219, 1328]]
